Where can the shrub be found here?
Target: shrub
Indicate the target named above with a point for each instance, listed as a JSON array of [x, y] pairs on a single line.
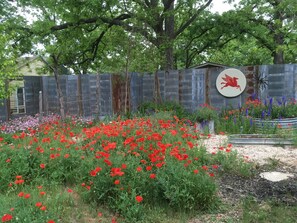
[[205, 113]]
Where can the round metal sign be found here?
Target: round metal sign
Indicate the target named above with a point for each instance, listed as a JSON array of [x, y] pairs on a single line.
[[231, 82]]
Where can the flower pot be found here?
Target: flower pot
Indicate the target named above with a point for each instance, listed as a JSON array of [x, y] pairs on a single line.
[[284, 123], [206, 126], [258, 139]]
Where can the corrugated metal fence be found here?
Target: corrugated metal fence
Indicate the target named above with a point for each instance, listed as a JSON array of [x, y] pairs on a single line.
[[106, 94]]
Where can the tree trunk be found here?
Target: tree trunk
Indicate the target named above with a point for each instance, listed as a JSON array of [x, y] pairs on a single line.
[[278, 57], [169, 38], [278, 54], [59, 91]]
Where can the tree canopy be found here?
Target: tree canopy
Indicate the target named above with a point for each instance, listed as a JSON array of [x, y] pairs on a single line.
[[112, 36]]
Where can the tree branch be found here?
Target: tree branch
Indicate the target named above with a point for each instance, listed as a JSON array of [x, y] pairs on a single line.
[[192, 19], [262, 41], [115, 21]]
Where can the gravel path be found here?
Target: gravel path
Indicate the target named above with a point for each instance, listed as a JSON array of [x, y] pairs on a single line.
[[232, 188], [260, 154]]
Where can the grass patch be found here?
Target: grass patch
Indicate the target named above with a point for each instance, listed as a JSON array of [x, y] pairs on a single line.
[[268, 211]]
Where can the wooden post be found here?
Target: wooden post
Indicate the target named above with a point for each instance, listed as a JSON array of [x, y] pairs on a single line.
[[40, 106], [207, 87]]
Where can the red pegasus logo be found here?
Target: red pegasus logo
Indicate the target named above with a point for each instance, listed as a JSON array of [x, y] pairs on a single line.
[[230, 82]]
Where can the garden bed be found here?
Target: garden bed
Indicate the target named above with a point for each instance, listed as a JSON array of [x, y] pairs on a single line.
[[284, 123], [259, 139]]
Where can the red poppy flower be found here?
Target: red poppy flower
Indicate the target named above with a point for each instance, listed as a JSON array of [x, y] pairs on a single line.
[[93, 173], [116, 182], [139, 198], [27, 196], [108, 162], [19, 181], [6, 217], [51, 221], [42, 165], [215, 166], [98, 169], [116, 172], [205, 168], [21, 194], [38, 204], [138, 169], [190, 144], [152, 176], [113, 220], [43, 208]]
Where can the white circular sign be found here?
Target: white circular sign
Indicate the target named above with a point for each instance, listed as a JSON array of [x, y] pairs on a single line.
[[231, 82]]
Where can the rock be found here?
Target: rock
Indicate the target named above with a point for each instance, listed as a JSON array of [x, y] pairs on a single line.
[[276, 176]]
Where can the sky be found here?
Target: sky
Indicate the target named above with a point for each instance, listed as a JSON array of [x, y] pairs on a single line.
[[220, 6]]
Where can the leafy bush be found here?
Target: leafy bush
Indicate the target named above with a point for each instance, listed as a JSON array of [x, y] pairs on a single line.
[[205, 113], [175, 108]]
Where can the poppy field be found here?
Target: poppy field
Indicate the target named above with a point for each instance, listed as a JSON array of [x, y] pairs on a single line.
[[57, 170]]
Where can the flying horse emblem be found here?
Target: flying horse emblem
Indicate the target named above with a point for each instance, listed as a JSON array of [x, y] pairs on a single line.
[[230, 82]]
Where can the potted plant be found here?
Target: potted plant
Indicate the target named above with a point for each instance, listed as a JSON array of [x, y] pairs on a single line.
[[204, 118]]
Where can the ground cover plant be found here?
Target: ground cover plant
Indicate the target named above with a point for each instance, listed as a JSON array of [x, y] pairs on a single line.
[[129, 167]]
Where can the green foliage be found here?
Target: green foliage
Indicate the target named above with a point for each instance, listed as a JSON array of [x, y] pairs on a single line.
[[175, 108], [185, 189], [233, 121], [268, 211], [205, 113], [8, 69]]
